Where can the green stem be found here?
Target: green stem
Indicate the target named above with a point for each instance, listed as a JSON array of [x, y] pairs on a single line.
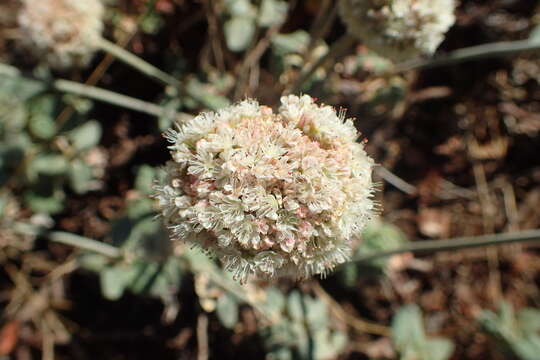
[[336, 51], [503, 48], [70, 239], [108, 96], [138, 64], [90, 92], [432, 246]]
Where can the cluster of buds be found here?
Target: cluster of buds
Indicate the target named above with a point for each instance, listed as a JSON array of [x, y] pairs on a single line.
[[270, 194], [399, 29], [63, 32]]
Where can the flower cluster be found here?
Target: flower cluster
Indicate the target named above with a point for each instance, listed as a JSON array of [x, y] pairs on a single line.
[[271, 194], [399, 29], [64, 32]]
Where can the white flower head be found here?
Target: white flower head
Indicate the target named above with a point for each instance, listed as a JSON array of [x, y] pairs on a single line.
[[399, 29], [271, 194], [64, 32]]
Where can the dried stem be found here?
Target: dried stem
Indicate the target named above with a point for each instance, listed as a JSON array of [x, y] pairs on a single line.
[[202, 337], [321, 25], [358, 324]]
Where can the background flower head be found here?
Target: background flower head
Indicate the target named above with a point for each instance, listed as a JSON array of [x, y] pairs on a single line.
[[64, 32], [271, 194], [399, 29]]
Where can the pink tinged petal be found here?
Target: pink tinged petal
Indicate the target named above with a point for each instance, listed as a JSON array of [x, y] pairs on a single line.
[[288, 245], [302, 211], [305, 229], [265, 110]]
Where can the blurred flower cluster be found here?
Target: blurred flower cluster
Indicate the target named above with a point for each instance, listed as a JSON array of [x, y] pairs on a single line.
[[399, 29], [64, 32]]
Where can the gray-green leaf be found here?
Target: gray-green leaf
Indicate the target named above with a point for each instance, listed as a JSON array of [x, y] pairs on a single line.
[[227, 310], [239, 32], [272, 12], [86, 136]]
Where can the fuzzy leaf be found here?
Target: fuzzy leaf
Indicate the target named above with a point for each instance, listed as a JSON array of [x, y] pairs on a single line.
[[48, 164], [86, 136], [518, 334], [439, 349], [21, 88], [240, 8], [316, 313], [328, 345], [114, 280], [534, 35], [145, 179], [379, 237], [529, 320], [239, 32], [295, 307], [45, 203], [42, 126], [407, 328], [275, 301], [527, 348], [93, 262], [81, 178], [272, 12], [13, 115], [227, 310], [295, 42]]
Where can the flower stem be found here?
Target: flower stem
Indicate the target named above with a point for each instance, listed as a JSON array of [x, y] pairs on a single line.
[[138, 64], [70, 239], [108, 96], [336, 51], [90, 92], [432, 246], [503, 48]]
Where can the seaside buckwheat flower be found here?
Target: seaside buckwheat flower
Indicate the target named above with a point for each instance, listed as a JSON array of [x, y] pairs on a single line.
[[64, 32], [399, 29], [270, 194]]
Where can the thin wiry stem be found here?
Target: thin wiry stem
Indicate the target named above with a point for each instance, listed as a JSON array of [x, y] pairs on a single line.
[[66, 238], [138, 64], [356, 323], [202, 337], [503, 48], [90, 92], [108, 96], [432, 246], [396, 181]]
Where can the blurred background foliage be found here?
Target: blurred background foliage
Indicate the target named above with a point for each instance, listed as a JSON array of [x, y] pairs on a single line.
[[458, 148]]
